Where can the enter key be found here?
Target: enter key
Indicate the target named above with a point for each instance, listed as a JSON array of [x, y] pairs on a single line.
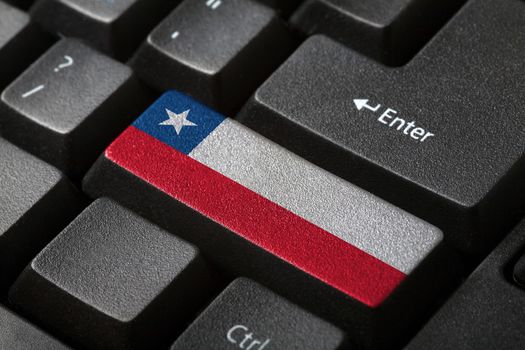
[[442, 137]]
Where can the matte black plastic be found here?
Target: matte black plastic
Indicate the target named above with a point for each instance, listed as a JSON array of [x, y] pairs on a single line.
[[487, 312], [18, 334], [248, 316], [465, 89], [388, 31], [112, 280], [114, 27], [23, 4], [36, 202], [85, 100], [285, 7], [218, 52], [381, 327], [519, 271], [20, 43]]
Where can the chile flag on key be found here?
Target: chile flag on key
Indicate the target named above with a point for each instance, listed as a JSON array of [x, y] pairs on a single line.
[[319, 223]]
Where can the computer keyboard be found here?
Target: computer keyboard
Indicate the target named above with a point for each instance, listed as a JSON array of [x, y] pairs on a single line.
[[260, 174], [63, 101]]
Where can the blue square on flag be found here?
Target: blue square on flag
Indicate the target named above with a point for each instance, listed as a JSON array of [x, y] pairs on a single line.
[[179, 121]]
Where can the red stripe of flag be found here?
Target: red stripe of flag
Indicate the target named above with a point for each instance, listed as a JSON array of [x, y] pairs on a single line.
[[262, 222]]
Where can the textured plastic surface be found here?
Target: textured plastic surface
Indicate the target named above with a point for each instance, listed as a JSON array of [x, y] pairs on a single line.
[[389, 31], [32, 195], [114, 27], [68, 105], [20, 42], [519, 272], [355, 252], [487, 311], [18, 334], [113, 280], [219, 55], [11, 23], [465, 177], [283, 6], [245, 308], [210, 161]]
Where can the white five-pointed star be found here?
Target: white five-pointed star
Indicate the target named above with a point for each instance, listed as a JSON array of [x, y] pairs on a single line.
[[178, 121]]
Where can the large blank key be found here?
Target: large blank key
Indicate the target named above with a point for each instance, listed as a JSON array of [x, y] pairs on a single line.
[[248, 316], [69, 105], [113, 26], [441, 137], [487, 311], [390, 31], [18, 334], [257, 208], [112, 280], [217, 51], [36, 201]]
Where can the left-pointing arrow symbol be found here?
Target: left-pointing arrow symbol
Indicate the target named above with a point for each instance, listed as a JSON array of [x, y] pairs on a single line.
[[362, 103]]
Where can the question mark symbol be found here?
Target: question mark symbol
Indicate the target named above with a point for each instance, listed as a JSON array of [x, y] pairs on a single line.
[[68, 62]]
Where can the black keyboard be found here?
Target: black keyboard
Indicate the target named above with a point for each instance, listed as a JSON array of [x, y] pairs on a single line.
[[262, 174]]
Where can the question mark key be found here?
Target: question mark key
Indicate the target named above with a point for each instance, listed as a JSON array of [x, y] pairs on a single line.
[[68, 61], [69, 105]]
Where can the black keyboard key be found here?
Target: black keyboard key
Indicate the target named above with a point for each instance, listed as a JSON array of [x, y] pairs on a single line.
[[36, 201], [112, 280], [23, 4], [487, 311], [519, 271], [389, 31], [439, 137], [17, 334], [275, 217], [284, 7], [217, 51], [115, 27], [68, 105], [248, 316], [20, 43]]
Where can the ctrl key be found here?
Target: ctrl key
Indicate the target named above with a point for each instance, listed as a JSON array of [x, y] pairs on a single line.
[[249, 316], [18, 334], [112, 280]]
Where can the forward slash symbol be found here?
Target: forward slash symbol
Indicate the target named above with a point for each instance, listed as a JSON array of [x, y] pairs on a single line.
[[33, 91], [362, 103]]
